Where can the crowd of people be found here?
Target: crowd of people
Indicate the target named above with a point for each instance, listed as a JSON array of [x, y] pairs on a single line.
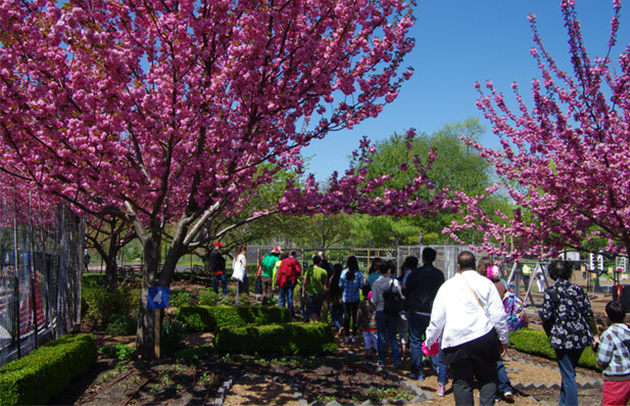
[[459, 326]]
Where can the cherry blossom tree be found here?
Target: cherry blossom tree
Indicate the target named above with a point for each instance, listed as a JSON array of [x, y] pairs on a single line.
[[164, 112], [565, 160]]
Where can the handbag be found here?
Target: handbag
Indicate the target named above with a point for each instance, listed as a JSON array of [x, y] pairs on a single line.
[[239, 272], [548, 324], [393, 302]]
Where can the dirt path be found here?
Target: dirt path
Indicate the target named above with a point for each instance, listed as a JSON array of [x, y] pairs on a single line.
[[345, 377]]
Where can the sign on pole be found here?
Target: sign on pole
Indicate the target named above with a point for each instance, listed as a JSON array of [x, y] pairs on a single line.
[[157, 297]]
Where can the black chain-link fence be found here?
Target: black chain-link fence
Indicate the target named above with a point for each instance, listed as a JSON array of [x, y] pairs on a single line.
[[41, 261]]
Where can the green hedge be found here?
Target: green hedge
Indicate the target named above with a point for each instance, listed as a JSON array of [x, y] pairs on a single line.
[[535, 342], [210, 318], [283, 339], [37, 377]]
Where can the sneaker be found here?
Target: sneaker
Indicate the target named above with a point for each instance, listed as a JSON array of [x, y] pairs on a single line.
[[441, 390], [415, 377], [508, 395], [348, 340], [355, 340]]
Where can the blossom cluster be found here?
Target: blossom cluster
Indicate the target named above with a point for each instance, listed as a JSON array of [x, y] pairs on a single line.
[[565, 161]]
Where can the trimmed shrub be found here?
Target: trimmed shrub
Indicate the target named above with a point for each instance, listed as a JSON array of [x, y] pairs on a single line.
[[536, 342], [209, 318], [209, 297], [283, 339], [37, 377]]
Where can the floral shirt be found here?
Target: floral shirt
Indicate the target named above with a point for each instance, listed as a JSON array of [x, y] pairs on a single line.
[[570, 329]]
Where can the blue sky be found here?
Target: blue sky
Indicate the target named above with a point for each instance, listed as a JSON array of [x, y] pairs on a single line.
[[459, 42]]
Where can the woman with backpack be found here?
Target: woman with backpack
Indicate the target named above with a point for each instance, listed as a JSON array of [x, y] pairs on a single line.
[[487, 268], [386, 319]]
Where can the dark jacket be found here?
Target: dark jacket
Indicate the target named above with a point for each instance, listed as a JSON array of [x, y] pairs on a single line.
[[422, 286], [216, 263]]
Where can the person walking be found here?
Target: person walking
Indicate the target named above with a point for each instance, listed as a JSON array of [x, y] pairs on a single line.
[[487, 268], [374, 272], [216, 264], [288, 274], [334, 299], [408, 265], [239, 270], [267, 264], [366, 316], [386, 323], [314, 287], [469, 316], [613, 356], [420, 289], [351, 281], [567, 315]]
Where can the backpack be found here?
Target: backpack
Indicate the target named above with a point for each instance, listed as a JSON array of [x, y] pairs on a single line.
[[393, 302], [515, 309]]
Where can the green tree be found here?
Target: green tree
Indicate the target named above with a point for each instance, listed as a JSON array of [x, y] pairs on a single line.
[[457, 166]]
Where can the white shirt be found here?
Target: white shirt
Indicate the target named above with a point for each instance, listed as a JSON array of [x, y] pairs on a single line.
[[458, 317]]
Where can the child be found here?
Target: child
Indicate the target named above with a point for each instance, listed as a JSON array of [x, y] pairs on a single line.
[[366, 317], [613, 356]]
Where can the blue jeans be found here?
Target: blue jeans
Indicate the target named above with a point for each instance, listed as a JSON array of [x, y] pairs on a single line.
[[285, 296], [440, 368], [567, 359], [223, 279], [336, 315], [386, 330], [504, 382], [418, 324]]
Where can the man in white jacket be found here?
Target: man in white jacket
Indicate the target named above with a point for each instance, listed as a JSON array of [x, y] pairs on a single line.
[[470, 319]]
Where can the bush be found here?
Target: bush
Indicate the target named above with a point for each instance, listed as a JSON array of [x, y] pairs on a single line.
[[101, 305], [209, 318], [121, 352], [37, 377], [244, 300], [535, 342], [172, 335], [179, 298], [122, 325], [191, 356], [283, 339]]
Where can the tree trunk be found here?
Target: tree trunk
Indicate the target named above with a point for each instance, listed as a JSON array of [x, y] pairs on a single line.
[[149, 320], [111, 271]]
